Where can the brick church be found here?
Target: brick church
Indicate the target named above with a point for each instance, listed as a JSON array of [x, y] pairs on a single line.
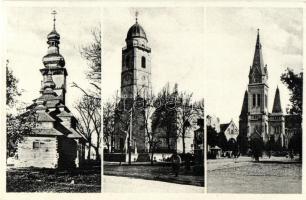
[[255, 120], [54, 142]]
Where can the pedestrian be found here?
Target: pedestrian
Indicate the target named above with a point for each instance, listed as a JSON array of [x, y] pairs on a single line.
[[176, 163], [291, 155], [188, 161]]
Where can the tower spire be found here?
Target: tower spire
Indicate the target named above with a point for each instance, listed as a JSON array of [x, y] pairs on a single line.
[[277, 107], [258, 72]]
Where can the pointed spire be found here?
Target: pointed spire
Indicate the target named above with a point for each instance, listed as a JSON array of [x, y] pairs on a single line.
[[258, 69], [244, 109], [277, 107]]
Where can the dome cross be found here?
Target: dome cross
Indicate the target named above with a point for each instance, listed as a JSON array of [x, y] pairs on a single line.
[[54, 18]]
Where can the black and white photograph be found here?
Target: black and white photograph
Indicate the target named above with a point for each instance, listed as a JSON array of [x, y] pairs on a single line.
[[253, 100], [153, 106], [53, 101]]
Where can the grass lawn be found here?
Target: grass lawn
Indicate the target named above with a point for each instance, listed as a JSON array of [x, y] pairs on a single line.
[[155, 172], [262, 177], [50, 180]]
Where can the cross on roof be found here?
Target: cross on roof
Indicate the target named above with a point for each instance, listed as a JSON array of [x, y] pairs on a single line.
[[136, 15], [54, 19]]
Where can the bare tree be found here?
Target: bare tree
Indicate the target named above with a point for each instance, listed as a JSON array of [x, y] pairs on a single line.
[[92, 53], [90, 122], [108, 124], [187, 112], [151, 135]]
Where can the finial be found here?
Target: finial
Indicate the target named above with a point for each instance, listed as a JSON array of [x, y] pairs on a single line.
[[54, 19], [136, 16], [258, 31]]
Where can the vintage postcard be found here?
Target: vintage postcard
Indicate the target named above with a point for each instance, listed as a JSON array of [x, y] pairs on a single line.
[[152, 100]]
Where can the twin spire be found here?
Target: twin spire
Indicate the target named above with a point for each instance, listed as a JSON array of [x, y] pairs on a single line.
[[277, 107]]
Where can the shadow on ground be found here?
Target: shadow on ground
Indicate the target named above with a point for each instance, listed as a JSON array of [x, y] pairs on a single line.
[[158, 172], [51, 180]]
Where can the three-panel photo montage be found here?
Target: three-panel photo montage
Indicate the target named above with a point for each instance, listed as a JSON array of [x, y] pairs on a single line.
[[153, 98]]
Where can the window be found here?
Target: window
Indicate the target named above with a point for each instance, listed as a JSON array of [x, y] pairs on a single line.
[[143, 62], [266, 101], [36, 145], [254, 100], [127, 61], [258, 99]]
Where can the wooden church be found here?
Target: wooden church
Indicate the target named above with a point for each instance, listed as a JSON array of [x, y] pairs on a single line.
[[54, 142]]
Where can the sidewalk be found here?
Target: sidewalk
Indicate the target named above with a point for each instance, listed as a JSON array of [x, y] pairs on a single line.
[[131, 185]]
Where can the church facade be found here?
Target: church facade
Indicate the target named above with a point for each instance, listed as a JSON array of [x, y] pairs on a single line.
[[255, 120], [54, 141]]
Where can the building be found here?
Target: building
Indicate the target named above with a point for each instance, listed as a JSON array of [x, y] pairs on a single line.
[[132, 123], [54, 141], [229, 130], [255, 121]]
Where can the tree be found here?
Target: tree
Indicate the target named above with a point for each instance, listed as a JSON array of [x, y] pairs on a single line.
[[108, 124], [188, 112], [294, 83], [151, 135], [90, 115], [175, 112], [89, 110], [164, 116], [18, 123], [212, 136], [92, 53], [12, 90]]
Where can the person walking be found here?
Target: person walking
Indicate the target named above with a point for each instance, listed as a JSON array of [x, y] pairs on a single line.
[[176, 163]]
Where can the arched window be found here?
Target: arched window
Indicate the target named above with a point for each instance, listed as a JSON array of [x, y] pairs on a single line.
[[258, 99], [127, 61], [143, 62]]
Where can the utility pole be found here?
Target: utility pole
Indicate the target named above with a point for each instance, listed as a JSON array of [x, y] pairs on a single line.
[[130, 135]]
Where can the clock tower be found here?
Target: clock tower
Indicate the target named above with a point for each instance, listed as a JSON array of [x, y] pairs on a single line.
[[258, 96], [136, 64]]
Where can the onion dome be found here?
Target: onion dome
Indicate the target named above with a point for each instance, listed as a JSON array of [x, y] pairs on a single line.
[[136, 31], [49, 81], [53, 59], [48, 86]]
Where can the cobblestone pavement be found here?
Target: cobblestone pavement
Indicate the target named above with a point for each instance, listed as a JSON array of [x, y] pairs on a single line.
[[131, 185], [274, 175]]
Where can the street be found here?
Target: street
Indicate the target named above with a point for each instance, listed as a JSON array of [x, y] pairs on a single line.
[[275, 175], [132, 185]]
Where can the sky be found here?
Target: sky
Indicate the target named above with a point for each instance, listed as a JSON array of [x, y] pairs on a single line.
[[175, 36], [230, 44], [27, 29]]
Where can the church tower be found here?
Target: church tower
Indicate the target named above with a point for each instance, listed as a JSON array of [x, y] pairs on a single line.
[[55, 63], [136, 64], [258, 96], [277, 121]]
